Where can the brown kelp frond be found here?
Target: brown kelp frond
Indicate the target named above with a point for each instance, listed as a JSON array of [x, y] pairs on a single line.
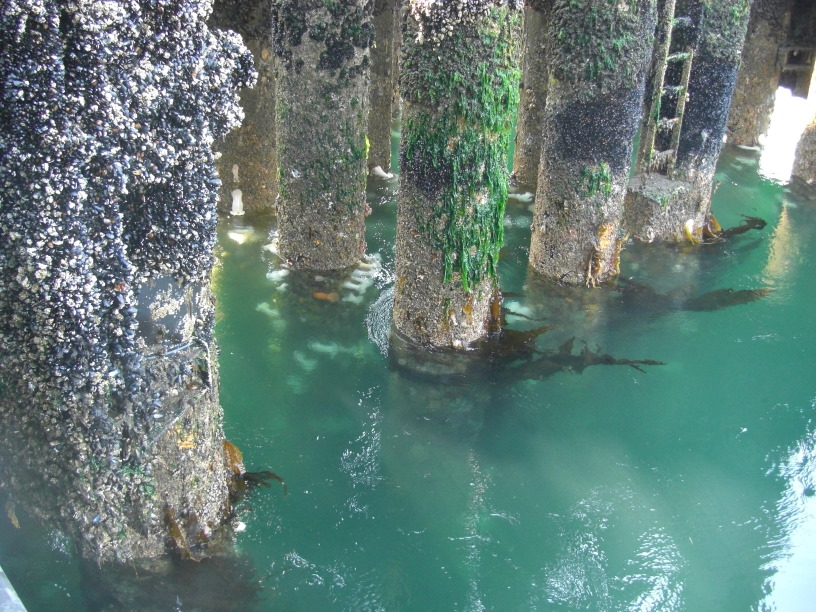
[[511, 344], [587, 357], [724, 298], [241, 482], [233, 458], [252, 479], [178, 538], [564, 358], [713, 233], [642, 297], [241, 485]]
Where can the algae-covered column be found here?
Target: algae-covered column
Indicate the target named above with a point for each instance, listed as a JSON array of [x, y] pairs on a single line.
[[247, 166], [759, 71], [533, 95], [383, 83], [598, 55], [110, 427], [722, 27], [459, 81], [322, 48]]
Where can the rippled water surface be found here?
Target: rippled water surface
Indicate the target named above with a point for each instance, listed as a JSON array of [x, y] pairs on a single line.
[[684, 486]]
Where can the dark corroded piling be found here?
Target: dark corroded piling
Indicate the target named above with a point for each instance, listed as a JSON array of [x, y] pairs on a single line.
[[721, 33], [598, 54], [109, 410], [759, 72], [459, 81], [533, 93], [247, 164], [322, 50], [383, 83]]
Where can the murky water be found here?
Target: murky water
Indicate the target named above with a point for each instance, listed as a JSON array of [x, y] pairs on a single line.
[[685, 486]]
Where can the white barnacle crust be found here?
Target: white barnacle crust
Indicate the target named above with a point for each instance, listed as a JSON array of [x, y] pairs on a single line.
[[437, 19], [110, 110]]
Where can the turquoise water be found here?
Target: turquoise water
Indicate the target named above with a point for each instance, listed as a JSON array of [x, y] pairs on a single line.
[[685, 486]]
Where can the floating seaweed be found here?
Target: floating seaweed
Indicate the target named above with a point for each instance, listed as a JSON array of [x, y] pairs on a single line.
[[724, 298], [564, 358], [714, 233], [241, 485], [241, 482], [640, 296], [509, 345]]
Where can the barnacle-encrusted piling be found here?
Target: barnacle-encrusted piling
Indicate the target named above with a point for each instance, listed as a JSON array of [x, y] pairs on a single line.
[[598, 52], [721, 33], [459, 80], [383, 82], [533, 94], [248, 163], [759, 71], [322, 49], [109, 409], [804, 165]]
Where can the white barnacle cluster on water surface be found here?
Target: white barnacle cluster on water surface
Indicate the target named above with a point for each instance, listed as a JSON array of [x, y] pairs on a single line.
[[108, 114]]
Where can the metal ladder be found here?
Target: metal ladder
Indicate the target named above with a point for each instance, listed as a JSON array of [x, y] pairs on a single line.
[[660, 135]]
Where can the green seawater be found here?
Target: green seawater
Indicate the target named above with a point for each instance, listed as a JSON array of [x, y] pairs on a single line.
[[684, 486]]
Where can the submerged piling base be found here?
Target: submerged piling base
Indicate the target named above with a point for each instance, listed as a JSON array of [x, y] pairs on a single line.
[[655, 209]]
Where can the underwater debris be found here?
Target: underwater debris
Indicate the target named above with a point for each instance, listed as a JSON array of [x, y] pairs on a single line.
[[326, 296], [12, 514]]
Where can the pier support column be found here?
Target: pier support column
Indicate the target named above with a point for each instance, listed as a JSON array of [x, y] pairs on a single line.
[[248, 164], [321, 120], [598, 54], [459, 81], [804, 165], [533, 94], [110, 426], [722, 26], [383, 83], [759, 72]]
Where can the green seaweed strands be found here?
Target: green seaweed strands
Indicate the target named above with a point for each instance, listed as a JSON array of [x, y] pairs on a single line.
[[598, 180], [458, 138], [726, 22]]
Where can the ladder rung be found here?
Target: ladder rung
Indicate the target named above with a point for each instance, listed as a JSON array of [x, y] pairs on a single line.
[[673, 89], [797, 67], [667, 123], [678, 57], [682, 22]]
